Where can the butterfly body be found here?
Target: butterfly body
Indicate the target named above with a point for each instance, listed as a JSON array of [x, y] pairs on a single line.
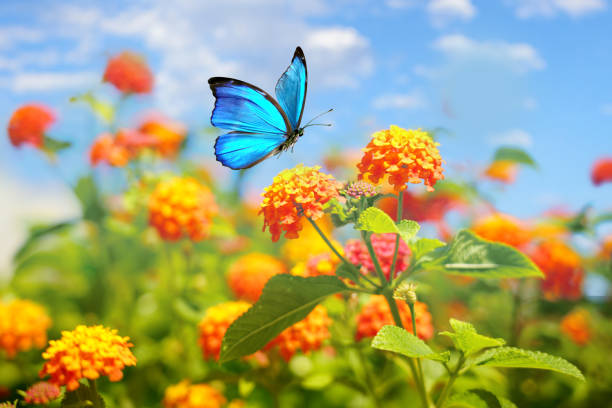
[[260, 125]]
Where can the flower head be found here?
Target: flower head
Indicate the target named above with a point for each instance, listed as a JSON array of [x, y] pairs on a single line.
[[309, 242], [182, 207], [359, 189], [502, 170], [28, 125], [384, 248], [187, 395], [562, 267], [106, 149], [317, 265], [294, 193], [42, 392], [129, 73], [87, 352], [376, 313], [576, 325], [249, 274], [503, 228], [306, 335], [23, 325], [214, 324], [167, 135], [602, 171], [402, 156]]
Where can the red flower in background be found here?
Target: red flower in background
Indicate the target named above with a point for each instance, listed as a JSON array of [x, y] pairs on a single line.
[[42, 392], [562, 267], [602, 171], [106, 149], [576, 325], [129, 73], [384, 248], [28, 125]]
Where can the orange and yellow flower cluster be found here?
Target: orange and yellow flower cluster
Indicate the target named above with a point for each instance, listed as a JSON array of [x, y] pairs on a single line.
[[317, 265], [129, 73], [562, 267], [28, 125], [576, 325], [504, 171], [23, 325], [182, 207], [401, 156], [249, 274], [503, 228], [214, 324], [376, 313], [294, 193], [187, 395], [87, 352]]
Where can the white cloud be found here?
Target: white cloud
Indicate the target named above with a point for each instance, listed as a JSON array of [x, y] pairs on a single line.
[[515, 137], [399, 101], [49, 81], [606, 109], [443, 11], [401, 4], [11, 36], [520, 57], [551, 8]]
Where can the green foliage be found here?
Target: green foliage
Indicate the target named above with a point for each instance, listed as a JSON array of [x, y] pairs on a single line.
[[285, 300], [105, 111], [468, 340], [84, 396], [91, 201], [38, 232], [53, 146], [469, 255], [398, 340], [514, 154], [424, 246], [478, 398], [519, 358], [376, 220]]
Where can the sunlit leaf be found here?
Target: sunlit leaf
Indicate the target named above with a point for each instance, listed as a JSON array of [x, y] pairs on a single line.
[[102, 109], [514, 154], [468, 340], [377, 221], [476, 398], [398, 340]]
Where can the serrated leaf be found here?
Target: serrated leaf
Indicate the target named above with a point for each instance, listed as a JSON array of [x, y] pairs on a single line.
[[469, 255], [377, 221], [513, 357], [476, 398], [514, 154], [102, 109], [398, 340], [285, 300], [423, 246], [468, 340]]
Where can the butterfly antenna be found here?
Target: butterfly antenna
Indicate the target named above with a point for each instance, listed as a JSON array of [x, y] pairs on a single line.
[[316, 124], [318, 116]]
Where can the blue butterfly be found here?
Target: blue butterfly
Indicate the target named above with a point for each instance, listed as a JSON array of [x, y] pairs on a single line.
[[261, 126]]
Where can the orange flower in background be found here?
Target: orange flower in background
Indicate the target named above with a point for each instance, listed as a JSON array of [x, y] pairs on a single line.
[[105, 149], [167, 135], [317, 265], [502, 170], [187, 395], [384, 248], [309, 242], [605, 251], [214, 324], [23, 325], [129, 73], [602, 171], [562, 267], [182, 207], [401, 156], [42, 393], [576, 325], [28, 125], [87, 352], [306, 335], [376, 313], [294, 193], [249, 274], [502, 228]]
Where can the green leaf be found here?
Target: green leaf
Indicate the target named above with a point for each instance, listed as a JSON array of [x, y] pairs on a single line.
[[38, 232], [102, 109], [90, 198], [469, 255], [285, 300], [476, 398], [345, 270], [52, 145], [376, 220], [468, 340], [424, 246], [515, 155], [398, 340], [84, 396], [518, 358]]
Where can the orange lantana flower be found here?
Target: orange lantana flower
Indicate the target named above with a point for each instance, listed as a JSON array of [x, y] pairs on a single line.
[[87, 352], [401, 156], [106, 149], [23, 325], [294, 193], [249, 274], [502, 170], [28, 125], [129, 73], [503, 228], [187, 395], [602, 171], [562, 267], [214, 324], [576, 325], [167, 135], [182, 207]]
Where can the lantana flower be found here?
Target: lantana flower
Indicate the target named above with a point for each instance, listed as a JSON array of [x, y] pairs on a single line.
[[401, 156], [129, 73], [602, 171], [293, 194], [384, 247], [23, 325], [504, 171], [187, 395], [503, 228], [249, 274], [576, 325], [86, 352], [28, 125], [562, 267], [167, 135], [42, 392], [215, 323]]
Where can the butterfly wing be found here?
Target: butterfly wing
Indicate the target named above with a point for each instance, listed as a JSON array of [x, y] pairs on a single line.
[[241, 150], [291, 88], [258, 123]]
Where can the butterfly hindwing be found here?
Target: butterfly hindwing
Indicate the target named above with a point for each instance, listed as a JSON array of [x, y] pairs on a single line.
[[291, 88], [243, 107], [241, 150]]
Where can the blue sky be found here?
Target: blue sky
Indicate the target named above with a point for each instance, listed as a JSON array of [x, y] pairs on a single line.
[[532, 73]]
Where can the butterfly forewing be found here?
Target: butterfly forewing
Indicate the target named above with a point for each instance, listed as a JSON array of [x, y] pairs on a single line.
[[291, 88]]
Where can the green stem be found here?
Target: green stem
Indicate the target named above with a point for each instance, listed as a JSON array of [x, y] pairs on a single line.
[[368, 378], [368, 242], [400, 206], [451, 380], [327, 241]]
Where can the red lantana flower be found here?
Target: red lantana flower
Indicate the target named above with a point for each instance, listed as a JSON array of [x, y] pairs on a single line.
[[129, 73], [28, 125]]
